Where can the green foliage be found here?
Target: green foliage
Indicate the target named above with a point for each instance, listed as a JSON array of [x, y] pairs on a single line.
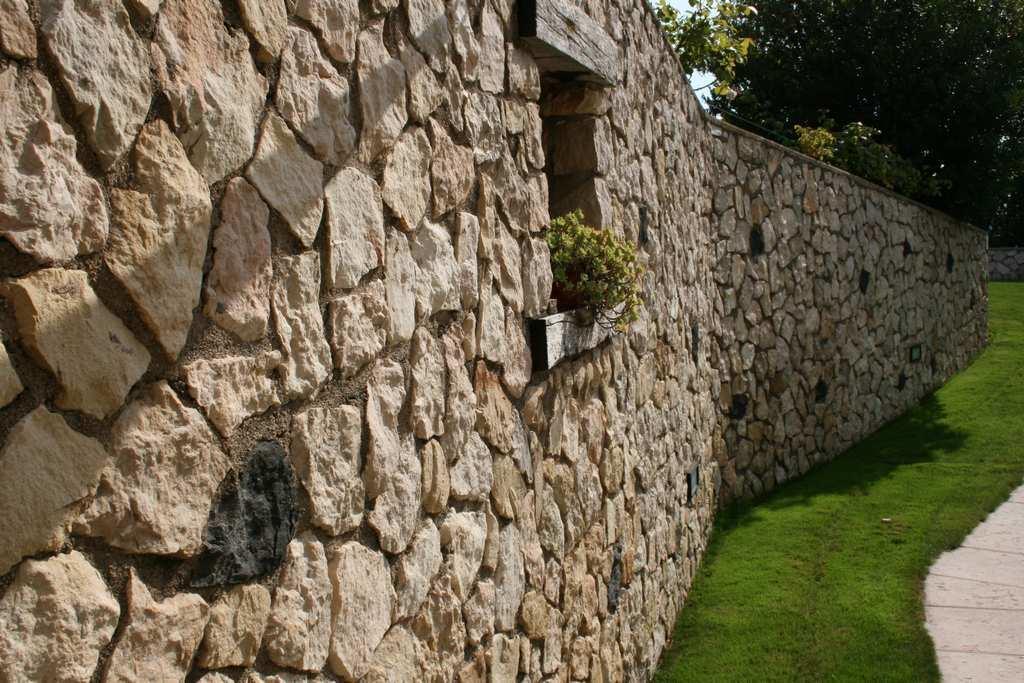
[[855, 149], [594, 270], [942, 79], [708, 39], [810, 584]]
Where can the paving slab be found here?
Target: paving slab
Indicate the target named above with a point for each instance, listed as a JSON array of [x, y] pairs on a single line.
[[974, 601]]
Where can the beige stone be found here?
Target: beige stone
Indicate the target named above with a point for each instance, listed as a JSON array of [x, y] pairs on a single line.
[[359, 326], [267, 22], [146, 9], [325, 448], [159, 638], [452, 170], [436, 482], [300, 324], [504, 659], [426, 365], [155, 496], [406, 188], [478, 611], [299, 628], [508, 487], [17, 35], [337, 22], [535, 615], [393, 473], [289, 179], [355, 228], [416, 569], [400, 657], [381, 93], [471, 475], [523, 74], [55, 618], [10, 383], [62, 323], [518, 366], [238, 286], [159, 251], [45, 468], [537, 277], [105, 67], [491, 68], [464, 43], [509, 578], [437, 287], [235, 630], [428, 28], [460, 404], [361, 609], [233, 388], [463, 535], [495, 414], [314, 98], [467, 239], [215, 92], [50, 208], [439, 625], [490, 332], [400, 274]]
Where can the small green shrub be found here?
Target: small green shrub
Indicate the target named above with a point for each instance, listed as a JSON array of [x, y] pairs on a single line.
[[594, 270]]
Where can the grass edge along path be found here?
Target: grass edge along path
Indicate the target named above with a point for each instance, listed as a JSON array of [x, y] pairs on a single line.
[[822, 580]]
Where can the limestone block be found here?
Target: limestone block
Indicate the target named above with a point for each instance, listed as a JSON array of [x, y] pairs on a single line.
[[105, 67], [428, 28], [393, 473], [10, 383], [299, 627], [467, 239], [55, 617], [471, 475], [406, 189], [426, 365], [159, 251], [50, 208], [337, 22], [437, 286], [159, 638], [238, 286], [355, 225], [496, 417], [325, 448], [359, 325], [453, 172], [215, 92], [400, 274], [314, 98], [47, 468], [491, 66], [436, 480], [362, 607], [509, 578], [401, 656], [478, 611], [235, 630], [94, 357], [463, 535], [537, 277], [267, 22], [156, 494], [300, 324], [416, 569], [381, 93], [17, 35], [425, 92], [289, 179], [439, 625]]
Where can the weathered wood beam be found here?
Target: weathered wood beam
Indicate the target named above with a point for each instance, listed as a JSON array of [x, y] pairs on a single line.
[[565, 40], [554, 338]]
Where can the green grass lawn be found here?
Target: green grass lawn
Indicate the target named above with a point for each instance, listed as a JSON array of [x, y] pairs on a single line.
[[810, 584]]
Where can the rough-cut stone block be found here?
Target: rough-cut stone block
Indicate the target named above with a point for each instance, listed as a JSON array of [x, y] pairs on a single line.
[[426, 365], [289, 179], [267, 23], [93, 356], [155, 496], [300, 324], [47, 467], [401, 656], [463, 535], [299, 629], [453, 172], [253, 523], [436, 481], [355, 225], [471, 474], [55, 618], [159, 250], [337, 22], [17, 35], [381, 93], [509, 578], [159, 638], [425, 92], [50, 208], [407, 179], [359, 323], [238, 286], [104, 66], [416, 569], [325, 448], [215, 92], [10, 383], [233, 388], [400, 274], [361, 609], [393, 473], [235, 630], [314, 98], [437, 285]]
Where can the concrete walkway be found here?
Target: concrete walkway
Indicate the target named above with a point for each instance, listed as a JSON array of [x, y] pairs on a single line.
[[974, 600]]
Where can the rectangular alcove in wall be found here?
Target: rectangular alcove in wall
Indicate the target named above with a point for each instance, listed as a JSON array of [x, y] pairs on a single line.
[[579, 65]]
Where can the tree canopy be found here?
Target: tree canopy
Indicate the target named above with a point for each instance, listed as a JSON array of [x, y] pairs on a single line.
[[942, 80]]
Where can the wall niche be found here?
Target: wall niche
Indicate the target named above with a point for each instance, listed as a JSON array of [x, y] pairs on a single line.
[[756, 243]]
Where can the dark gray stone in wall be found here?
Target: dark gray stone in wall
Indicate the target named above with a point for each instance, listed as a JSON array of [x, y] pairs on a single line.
[[253, 522]]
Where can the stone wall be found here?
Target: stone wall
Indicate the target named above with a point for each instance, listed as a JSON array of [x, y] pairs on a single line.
[[267, 408], [1006, 264], [843, 305]]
